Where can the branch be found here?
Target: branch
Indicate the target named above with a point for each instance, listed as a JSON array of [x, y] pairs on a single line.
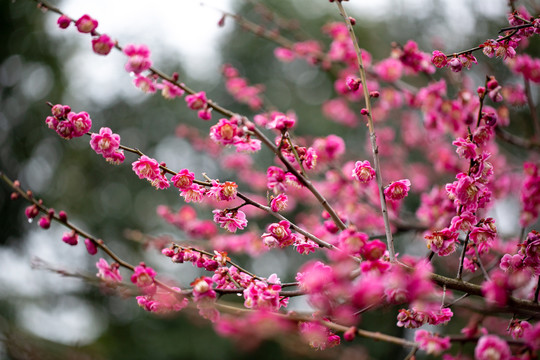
[[372, 135]]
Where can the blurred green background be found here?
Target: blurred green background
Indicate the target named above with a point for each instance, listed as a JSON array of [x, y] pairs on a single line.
[[44, 316]]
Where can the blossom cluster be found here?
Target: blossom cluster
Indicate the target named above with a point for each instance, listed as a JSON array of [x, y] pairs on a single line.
[[68, 124], [323, 201]]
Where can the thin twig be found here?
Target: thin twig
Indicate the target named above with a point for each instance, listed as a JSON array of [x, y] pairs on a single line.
[[372, 135]]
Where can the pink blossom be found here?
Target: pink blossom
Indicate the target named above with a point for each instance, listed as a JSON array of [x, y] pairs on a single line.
[[163, 301], [318, 336], [492, 347], [465, 148], [442, 242], [247, 144], [305, 246], [105, 142], [146, 168], [389, 69], [63, 21], [224, 132], [31, 212], [90, 246], [183, 179], [363, 171], [169, 90], [329, 148], [81, 123], [202, 289], [352, 241], [196, 101], [531, 250], [102, 45], [315, 276], [463, 222], [279, 203], [431, 343], [193, 193], [65, 129], [353, 83], [281, 122], [373, 250], [517, 328], [339, 111], [455, 64], [278, 235], [116, 158], [45, 222], [230, 220], [467, 60], [496, 289], [283, 54], [108, 273], [397, 190], [276, 179], [465, 190], [223, 192], [146, 84], [71, 238], [139, 58], [143, 276], [439, 59], [86, 24], [161, 182], [532, 336], [260, 295]]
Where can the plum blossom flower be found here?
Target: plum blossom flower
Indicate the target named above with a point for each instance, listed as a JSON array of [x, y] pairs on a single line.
[[279, 202], [81, 123], [223, 192], [63, 21], [397, 190], [105, 142], [276, 179], [318, 336], [139, 58], [146, 168], [183, 179], [466, 149], [143, 276], [86, 24], [496, 289], [202, 289], [261, 295], [102, 45], [278, 235], [90, 246], [145, 84], [196, 101], [442, 242], [193, 193], [108, 273], [230, 220], [492, 347], [305, 246], [169, 90], [71, 238], [431, 343], [439, 59], [389, 70], [225, 131], [284, 54], [363, 171]]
